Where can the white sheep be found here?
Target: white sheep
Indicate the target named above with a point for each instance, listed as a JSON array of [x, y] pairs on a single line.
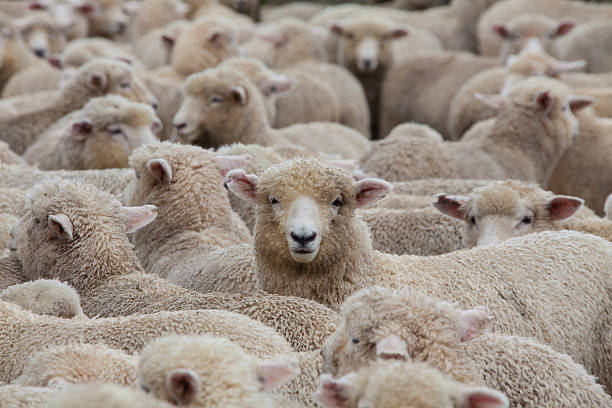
[[45, 297]]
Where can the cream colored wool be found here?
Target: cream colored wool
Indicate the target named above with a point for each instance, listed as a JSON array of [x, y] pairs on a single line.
[[110, 19], [48, 297], [406, 325], [154, 14], [238, 115], [489, 43], [7, 156], [525, 141], [96, 78], [6, 223], [295, 49], [420, 88], [101, 135], [25, 332], [15, 53], [209, 371], [105, 271], [502, 276], [43, 33], [16, 396], [35, 78], [154, 49], [104, 396], [58, 366], [83, 50], [191, 241], [585, 170], [170, 95], [10, 271], [302, 10], [404, 201], [511, 208], [574, 46], [418, 231], [16, 179], [390, 384], [431, 187], [16, 105]]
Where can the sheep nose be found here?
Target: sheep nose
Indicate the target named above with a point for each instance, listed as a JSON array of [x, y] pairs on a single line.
[[155, 105], [40, 52], [367, 63], [180, 126], [120, 27], [305, 238]]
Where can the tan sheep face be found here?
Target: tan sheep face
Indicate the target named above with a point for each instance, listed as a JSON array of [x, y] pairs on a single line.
[[107, 18], [304, 207], [43, 35], [365, 46], [382, 323], [124, 82], [506, 209], [530, 32]]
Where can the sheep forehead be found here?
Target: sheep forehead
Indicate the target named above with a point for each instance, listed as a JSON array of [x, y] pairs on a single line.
[[524, 92], [216, 80], [531, 25], [307, 177], [372, 26]]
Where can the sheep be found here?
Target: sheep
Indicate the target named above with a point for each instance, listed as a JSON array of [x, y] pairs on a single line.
[[534, 127], [129, 334], [154, 49], [406, 325], [420, 88], [597, 35], [103, 396], [154, 14], [96, 78], [58, 366], [585, 170], [431, 187], [83, 50], [45, 297], [367, 46], [6, 223], [510, 208], [16, 396], [329, 256], [388, 384], [489, 43], [105, 271], [195, 227], [208, 371], [107, 18], [301, 10], [15, 54], [101, 135], [42, 33], [608, 207], [251, 8], [294, 48], [222, 106]]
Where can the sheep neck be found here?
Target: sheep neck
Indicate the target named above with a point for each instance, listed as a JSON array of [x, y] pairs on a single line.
[[523, 145]]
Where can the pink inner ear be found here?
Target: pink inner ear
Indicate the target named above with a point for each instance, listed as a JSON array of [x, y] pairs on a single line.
[[273, 374], [330, 392], [561, 208], [473, 323], [501, 30], [370, 190], [545, 100], [168, 39], [565, 27], [450, 205], [243, 185], [483, 399]]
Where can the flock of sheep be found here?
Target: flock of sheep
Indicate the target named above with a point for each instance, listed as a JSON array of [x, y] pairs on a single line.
[[215, 203]]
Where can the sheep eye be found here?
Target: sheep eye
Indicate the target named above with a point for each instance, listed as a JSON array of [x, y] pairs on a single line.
[[125, 85], [472, 220], [216, 100], [115, 131], [355, 340], [337, 202], [145, 388], [350, 36], [273, 201], [526, 220]]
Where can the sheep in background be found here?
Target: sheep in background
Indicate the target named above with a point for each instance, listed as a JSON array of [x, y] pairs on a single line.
[[154, 14], [511, 208], [404, 325], [391, 384], [45, 297], [101, 135], [103, 396], [6, 224]]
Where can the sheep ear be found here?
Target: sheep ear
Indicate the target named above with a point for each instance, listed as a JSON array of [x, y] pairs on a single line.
[[399, 32], [451, 205], [55, 60], [334, 393], [215, 36], [272, 374], [36, 5], [391, 347], [492, 101], [559, 67], [473, 323], [139, 217], [161, 170], [580, 102], [86, 7], [227, 163], [239, 94], [182, 386], [169, 39], [481, 397], [563, 28], [336, 28], [156, 126], [545, 100], [81, 129], [274, 37], [243, 185], [97, 81], [276, 86], [502, 31], [61, 225], [370, 190], [563, 207]]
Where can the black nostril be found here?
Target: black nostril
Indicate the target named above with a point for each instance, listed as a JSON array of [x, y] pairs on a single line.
[[40, 52], [304, 239], [180, 126]]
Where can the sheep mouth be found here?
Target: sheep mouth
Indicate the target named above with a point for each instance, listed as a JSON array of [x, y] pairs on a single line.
[[303, 251], [304, 255]]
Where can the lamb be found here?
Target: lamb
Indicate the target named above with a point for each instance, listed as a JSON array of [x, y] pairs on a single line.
[[154, 49], [129, 334], [388, 384], [58, 366], [101, 135], [195, 232], [107, 18], [42, 32], [367, 46], [208, 371], [96, 78], [15, 54], [48, 297], [406, 325], [222, 107], [421, 87], [154, 14], [105, 271], [103, 396], [511, 208], [585, 170], [329, 256], [295, 49], [534, 127]]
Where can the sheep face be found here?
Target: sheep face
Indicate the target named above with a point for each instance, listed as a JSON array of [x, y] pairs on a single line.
[[387, 324], [43, 34], [365, 44], [107, 18], [507, 209], [305, 208], [530, 32]]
